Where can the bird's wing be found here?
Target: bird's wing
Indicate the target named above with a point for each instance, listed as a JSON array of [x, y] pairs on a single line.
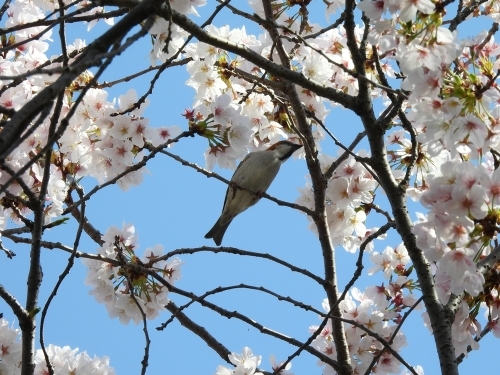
[[230, 189]]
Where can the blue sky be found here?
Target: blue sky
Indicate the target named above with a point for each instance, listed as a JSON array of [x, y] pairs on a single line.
[[175, 206]]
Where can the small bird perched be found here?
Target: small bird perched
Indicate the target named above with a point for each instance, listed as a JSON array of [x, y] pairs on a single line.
[[256, 172]]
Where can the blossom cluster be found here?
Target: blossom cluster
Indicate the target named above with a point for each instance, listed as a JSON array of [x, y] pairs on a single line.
[[232, 119], [459, 230], [63, 360], [124, 282], [164, 32], [10, 355], [95, 144], [246, 363], [349, 189], [67, 360], [452, 102], [379, 311]]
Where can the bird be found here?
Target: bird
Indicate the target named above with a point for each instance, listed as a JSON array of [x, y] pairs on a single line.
[[256, 173]]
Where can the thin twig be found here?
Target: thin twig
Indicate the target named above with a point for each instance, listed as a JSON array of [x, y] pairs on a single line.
[[233, 250]]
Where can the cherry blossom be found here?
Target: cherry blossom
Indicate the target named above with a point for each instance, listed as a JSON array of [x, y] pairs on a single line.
[[63, 359], [245, 364], [409, 8], [112, 284]]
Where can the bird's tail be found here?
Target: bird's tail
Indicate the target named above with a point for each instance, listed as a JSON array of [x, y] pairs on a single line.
[[217, 232]]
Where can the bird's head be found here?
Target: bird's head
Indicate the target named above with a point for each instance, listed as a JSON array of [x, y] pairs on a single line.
[[284, 149]]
